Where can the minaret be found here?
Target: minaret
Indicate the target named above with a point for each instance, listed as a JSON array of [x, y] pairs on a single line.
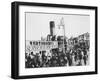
[[61, 27]]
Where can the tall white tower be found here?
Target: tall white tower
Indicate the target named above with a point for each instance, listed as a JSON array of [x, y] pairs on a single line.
[[61, 32], [61, 28]]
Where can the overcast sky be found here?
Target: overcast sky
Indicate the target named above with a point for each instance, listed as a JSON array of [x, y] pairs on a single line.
[[37, 24]]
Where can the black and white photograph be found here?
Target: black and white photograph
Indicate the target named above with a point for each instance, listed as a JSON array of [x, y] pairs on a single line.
[[57, 40], [50, 40]]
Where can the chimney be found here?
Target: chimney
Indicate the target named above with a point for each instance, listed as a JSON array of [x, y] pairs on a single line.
[[52, 28]]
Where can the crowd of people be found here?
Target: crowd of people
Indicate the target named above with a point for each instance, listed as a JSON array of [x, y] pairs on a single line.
[[78, 56]]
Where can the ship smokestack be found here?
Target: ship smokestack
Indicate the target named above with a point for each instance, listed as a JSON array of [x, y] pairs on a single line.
[[52, 28]]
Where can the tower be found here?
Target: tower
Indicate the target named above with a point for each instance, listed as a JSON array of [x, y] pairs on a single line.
[[61, 33], [61, 28]]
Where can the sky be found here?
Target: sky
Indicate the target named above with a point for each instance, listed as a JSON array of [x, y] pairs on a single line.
[[37, 24]]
